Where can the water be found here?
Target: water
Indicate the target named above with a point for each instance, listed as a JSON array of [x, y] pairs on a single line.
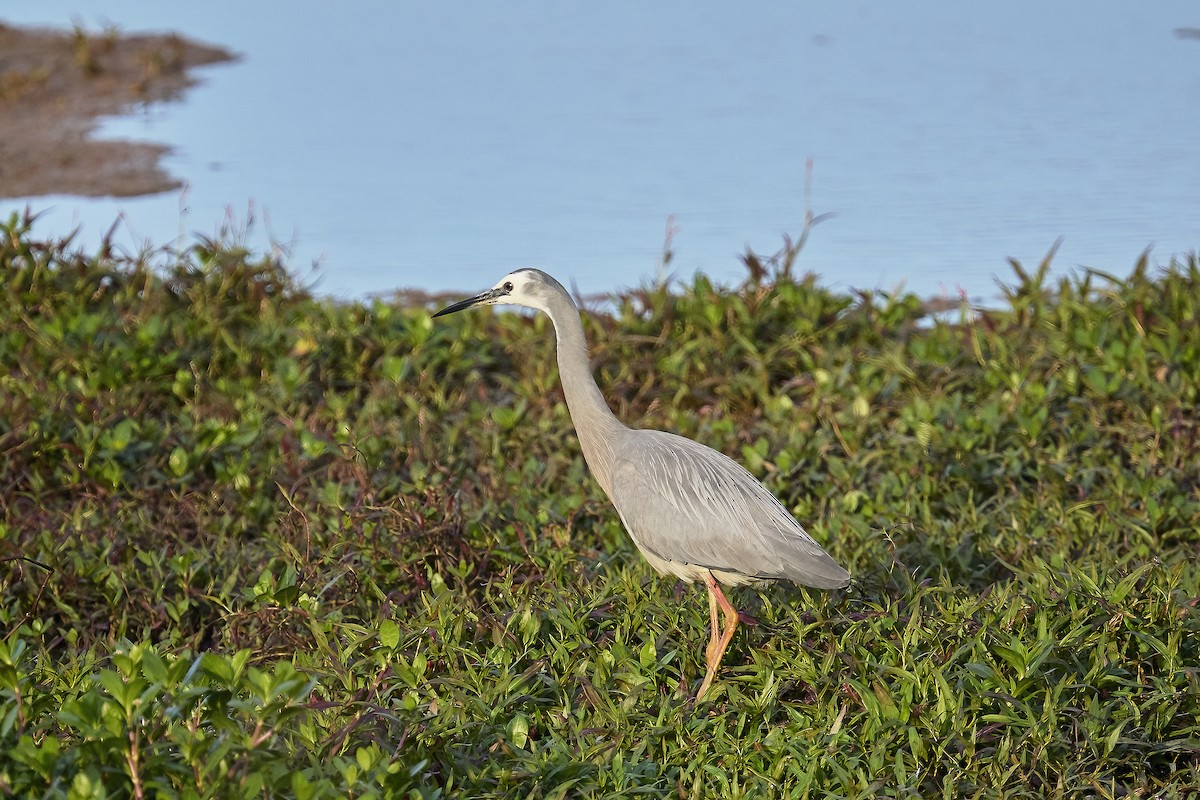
[[410, 145]]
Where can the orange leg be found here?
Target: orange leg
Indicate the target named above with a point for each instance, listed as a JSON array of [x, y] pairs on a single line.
[[717, 644], [715, 636]]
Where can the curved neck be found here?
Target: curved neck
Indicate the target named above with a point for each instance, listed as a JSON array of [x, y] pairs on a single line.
[[595, 424]]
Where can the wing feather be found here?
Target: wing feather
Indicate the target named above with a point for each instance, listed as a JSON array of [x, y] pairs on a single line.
[[689, 504]]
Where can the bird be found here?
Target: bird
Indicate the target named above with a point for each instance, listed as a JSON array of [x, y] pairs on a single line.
[[693, 512]]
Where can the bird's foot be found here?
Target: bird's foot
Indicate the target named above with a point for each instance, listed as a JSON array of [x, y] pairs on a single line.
[[708, 679]]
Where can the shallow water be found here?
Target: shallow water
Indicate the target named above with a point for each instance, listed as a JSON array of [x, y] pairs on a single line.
[[414, 146]]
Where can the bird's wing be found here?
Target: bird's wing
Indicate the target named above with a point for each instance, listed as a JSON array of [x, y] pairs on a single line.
[[687, 503]]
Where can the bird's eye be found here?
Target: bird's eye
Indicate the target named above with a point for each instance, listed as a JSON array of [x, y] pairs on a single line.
[[508, 286]]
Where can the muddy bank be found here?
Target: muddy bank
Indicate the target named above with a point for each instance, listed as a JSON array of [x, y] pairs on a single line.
[[53, 87]]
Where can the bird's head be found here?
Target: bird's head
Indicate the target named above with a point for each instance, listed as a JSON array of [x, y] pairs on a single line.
[[531, 288]]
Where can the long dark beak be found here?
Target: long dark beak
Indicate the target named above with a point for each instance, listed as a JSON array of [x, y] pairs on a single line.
[[470, 301]]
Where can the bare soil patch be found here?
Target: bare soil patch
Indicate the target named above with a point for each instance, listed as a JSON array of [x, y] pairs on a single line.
[[53, 87]]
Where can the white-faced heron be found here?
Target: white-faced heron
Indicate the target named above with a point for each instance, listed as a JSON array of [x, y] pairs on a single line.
[[692, 512]]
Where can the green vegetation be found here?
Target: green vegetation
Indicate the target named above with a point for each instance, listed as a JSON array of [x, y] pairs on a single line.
[[260, 544]]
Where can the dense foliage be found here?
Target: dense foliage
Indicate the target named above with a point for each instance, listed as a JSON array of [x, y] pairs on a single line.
[[262, 544]]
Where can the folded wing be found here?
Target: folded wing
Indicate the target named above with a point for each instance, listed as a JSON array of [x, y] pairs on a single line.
[[687, 503]]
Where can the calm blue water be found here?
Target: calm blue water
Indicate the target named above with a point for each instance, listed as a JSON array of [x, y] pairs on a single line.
[[441, 145]]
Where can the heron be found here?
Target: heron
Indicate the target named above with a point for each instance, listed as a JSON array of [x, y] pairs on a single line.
[[693, 512]]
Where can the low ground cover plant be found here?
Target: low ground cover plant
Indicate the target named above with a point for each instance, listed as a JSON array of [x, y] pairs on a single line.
[[260, 543]]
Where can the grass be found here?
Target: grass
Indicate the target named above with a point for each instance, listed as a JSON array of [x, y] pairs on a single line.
[[262, 544]]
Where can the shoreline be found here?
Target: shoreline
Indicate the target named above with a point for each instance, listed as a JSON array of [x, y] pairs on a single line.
[[56, 85]]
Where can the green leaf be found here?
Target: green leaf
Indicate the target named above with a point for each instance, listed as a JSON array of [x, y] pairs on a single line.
[[389, 634]]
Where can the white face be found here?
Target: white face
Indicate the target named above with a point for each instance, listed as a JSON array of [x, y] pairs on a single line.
[[524, 287], [519, 288]]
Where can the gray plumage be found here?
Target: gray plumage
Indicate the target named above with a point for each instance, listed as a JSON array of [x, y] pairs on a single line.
[[692, 511], [692, 506]]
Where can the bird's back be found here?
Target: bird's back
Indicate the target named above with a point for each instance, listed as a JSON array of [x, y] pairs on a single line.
[[690, 508]]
